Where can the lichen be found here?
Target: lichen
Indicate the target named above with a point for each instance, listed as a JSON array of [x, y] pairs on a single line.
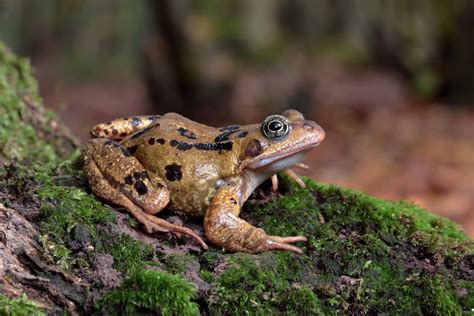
[[20, 306]]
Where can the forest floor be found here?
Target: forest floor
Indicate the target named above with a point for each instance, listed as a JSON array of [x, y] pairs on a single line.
[[379, 139]]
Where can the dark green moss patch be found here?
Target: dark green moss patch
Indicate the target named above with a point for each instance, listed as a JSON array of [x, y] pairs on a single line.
[[363, 255], [130, 254], [151, 291], [20, 306], [178, 262], [253, 284]]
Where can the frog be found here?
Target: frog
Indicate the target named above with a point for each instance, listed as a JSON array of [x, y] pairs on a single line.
[[148, 163]]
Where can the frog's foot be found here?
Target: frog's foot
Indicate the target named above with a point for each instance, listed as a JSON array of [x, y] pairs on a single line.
[[292, 175], [154, 224], [225, 229], [295, 177]]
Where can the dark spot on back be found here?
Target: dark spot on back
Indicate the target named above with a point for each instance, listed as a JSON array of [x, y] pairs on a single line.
[[224, 146], [114, 132], [201, 146], [153, 117], [215, 146], [159, 186], [253, 149], [151, 141], [243, 134], [184, 146], [229, 128], [140, 187], [128, 180], [173, 172], [161, 141], [106, 131], [132, 149], [141, 175], [186, 133], [180, 145], [123, 134]]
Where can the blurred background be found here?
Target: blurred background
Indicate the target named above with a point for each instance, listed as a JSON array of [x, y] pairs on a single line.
[[391, 81]]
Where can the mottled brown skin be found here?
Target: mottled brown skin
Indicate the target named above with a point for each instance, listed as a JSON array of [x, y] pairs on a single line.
[[150, 162]]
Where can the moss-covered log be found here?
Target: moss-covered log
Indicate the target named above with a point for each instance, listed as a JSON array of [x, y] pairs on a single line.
[[62, 249]]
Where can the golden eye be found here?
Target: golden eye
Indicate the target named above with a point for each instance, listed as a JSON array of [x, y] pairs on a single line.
[[276, 127]]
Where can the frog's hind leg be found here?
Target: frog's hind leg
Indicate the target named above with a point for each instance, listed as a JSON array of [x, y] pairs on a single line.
[[122, 127], [119, 178]]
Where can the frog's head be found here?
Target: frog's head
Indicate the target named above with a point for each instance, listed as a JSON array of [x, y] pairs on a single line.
[[280, 142]]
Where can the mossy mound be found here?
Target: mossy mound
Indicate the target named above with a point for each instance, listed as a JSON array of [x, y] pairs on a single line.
[[26, 129], [363, 255]]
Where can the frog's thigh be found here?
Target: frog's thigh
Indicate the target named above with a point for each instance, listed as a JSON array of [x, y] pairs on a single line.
[[106, 159], [225, 229], [107, 186]]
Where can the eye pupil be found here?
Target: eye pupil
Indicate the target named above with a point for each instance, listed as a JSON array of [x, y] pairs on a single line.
[[275, 126]]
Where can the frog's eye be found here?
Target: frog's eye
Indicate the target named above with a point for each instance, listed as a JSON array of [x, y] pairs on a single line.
[[276, 127]]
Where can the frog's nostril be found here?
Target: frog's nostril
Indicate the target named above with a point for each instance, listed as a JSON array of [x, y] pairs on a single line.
[[309, 125]]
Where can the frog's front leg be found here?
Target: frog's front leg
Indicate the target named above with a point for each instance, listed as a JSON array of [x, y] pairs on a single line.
[[118, 177], [225, 229]]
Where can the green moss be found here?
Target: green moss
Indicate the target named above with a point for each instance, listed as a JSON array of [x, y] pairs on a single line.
[[130, 254], [66, 211], [438, 298], [253, 284], [18, 135], [363, 255], [153, 291], [178, 262], [18, 306]]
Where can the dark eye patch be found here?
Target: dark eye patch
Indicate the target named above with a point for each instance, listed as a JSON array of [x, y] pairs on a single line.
[[253, 148]]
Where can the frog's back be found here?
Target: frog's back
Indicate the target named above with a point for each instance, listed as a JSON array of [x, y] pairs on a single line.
[[190, 157]]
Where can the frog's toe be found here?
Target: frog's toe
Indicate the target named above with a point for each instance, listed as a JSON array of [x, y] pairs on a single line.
[[271, 244], [288, 239]]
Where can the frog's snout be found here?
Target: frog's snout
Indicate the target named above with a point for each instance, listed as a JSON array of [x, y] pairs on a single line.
[[317, 131]]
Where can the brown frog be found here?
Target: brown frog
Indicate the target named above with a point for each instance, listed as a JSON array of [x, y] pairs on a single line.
[[147, 163]]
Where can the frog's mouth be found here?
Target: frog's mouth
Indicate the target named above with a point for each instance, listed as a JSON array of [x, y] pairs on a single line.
[[283, 161]]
